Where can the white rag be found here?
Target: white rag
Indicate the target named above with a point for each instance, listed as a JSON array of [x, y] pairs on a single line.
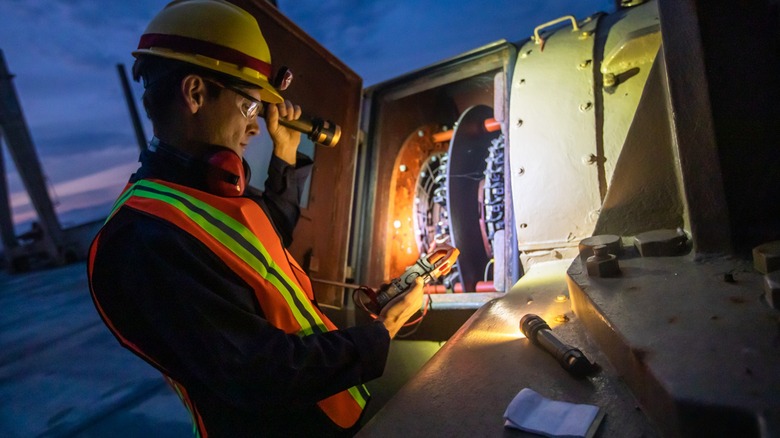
[[531, 412]]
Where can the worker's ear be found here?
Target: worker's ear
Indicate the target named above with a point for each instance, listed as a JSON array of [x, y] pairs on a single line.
[[193, 90]]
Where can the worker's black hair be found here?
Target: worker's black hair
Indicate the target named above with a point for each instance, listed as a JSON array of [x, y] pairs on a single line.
[[161, 78]]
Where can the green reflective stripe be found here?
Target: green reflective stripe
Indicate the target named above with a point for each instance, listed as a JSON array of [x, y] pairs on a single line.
[[360, 394], [238, 239], [195, 430], [244, 244], [120, 201]]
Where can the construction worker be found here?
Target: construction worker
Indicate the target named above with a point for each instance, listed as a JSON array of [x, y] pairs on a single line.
[[190, 271]]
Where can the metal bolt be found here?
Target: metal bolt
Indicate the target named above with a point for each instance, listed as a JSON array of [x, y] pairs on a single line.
[[661, 243], [586, 106], [521, 171], [610, 80], [561, 319], [611, 241], [602, 263], [589, 159], [585, 35], [584, 64], [766, 257], [561, 298], [402, 168]]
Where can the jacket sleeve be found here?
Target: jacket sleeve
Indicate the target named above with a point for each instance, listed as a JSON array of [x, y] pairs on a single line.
[[282, 196], [193, 318]]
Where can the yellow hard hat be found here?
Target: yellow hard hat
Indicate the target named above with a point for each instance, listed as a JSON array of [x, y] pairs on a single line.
[[213, 34]]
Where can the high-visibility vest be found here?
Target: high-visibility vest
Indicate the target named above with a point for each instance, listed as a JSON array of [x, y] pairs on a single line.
[[232, 228]]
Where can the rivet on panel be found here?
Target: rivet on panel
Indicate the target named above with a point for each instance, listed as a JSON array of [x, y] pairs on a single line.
[[561, 298], [522, 226], [402, 168], [584, 64], [586, 106], [521, 82], [521, 171], [585, 35], [589, 159], [519, 122], [420, 133]]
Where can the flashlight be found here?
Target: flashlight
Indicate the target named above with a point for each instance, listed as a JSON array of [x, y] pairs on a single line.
[[570, 358], [318, 130]]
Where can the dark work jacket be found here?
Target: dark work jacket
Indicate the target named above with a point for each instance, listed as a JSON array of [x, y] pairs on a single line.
[[171, 297]]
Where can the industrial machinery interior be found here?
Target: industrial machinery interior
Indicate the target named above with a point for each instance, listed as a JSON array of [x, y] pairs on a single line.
[[615, 176]]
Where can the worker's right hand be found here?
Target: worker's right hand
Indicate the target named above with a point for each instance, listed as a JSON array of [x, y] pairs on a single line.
[[285, 140], [395, 313]]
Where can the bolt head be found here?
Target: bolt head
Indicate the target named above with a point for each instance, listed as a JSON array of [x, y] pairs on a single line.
[[602, 265], [766, 257]]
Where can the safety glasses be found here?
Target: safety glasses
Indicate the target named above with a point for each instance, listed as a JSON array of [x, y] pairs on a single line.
[[249, 106]]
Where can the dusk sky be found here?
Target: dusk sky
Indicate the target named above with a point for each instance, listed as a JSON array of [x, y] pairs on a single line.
[[63, 54]]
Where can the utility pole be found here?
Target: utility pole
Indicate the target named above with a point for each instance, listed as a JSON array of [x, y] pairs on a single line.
[[22, 151]]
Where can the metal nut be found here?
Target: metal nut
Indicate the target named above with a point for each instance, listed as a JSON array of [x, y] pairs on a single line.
[[766, 257], [661, 243], [611, 241], [602, 264]]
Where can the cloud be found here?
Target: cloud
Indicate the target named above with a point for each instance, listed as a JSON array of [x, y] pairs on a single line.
[[63, 54], [95, 189], [384, 39], [76, 180]]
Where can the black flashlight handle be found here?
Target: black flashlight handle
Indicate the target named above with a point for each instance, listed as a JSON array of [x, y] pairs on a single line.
[[570, 358]]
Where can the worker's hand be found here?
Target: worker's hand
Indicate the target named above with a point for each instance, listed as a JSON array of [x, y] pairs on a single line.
[[285, 140], [395, 313]]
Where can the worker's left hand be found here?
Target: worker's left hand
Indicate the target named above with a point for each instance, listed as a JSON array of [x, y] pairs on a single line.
[[285, 140], [395, 313]]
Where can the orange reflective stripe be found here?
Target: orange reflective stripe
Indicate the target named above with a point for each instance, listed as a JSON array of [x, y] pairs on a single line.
[[224, 226], [240, 247], [198, 428]]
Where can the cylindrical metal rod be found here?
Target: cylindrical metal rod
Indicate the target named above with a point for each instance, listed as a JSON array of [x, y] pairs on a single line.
[[491, 125]]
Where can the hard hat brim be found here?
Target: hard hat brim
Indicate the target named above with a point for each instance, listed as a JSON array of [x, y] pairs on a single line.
[[267, 92]]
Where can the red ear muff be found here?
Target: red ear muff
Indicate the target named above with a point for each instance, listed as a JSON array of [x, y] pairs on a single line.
[[225, 175]]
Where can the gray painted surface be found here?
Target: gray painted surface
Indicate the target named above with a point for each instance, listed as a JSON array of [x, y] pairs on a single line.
[[465, 388]]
